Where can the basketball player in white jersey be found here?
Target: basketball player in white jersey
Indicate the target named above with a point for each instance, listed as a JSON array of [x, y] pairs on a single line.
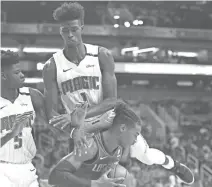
[[82, 72], [18, 107]]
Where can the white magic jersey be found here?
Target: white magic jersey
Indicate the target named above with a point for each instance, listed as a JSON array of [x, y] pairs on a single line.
[[20, 149], [79, 83]]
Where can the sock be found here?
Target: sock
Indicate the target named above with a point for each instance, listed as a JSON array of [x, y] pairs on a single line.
[[169, 163]]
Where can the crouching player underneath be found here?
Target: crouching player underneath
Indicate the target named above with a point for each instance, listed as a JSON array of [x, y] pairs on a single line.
[[104, 151], [109, 147]]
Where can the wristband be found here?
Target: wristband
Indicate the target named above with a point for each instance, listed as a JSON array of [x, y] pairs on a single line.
[[71, 134]]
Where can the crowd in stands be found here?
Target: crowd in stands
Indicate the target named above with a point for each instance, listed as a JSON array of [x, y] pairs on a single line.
[[191, 142], [195, 15]]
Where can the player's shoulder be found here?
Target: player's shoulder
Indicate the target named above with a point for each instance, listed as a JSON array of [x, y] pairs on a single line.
[[104, 52], [105, 58], [36, 96], [35, 92], [49, 70], [49, 64]]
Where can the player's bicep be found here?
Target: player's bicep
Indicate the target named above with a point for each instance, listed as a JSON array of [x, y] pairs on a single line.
[[50, 88], [61, 169], [73, 161], [109, 82], [68, 165], [38, 104]]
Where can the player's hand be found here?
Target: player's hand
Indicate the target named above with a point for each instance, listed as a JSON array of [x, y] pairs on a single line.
[[75, 119], [106, 119], [60, 121], [78, 115], [104, 181], [20, 122]]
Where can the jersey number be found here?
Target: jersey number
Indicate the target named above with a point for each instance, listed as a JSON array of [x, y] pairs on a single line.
[[18, 141]]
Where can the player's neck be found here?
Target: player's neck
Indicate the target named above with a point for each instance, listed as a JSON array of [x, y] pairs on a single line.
[[75, 54], [109, 141], [9, 93]]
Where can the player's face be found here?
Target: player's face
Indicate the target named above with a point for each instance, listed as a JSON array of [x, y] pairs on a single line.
[[13, 76], [71, 32], [129, 136]]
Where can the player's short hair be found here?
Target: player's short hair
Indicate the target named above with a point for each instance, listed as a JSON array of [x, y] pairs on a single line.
[[126, 115], [69, 11], [8, 58]]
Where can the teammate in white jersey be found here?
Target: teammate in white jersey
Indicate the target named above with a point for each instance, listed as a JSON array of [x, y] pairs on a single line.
[[82, 72], [79, 72], [18, 107]]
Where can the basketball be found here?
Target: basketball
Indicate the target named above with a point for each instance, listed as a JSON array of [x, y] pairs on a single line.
[[120, 171]]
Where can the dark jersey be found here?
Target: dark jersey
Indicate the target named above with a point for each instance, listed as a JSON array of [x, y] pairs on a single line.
[[93, 169]]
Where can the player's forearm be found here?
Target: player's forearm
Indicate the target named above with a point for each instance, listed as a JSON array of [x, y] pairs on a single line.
[[96, 126], [102, 107], [6, 138], [67, 179], [51, 107]]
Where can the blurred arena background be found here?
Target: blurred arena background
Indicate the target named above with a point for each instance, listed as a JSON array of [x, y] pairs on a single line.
[[163, 55]]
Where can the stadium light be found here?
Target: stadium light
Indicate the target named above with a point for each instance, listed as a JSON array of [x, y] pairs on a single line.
[[151, 49], [40, 66], [163, 69], [140, 22], [116, 25], [184, 83], [33, 80], [187, 54], [127, 24], [9, 48], [32, 49], [135, 22], [40, 50], [124, 50], [116, 17]]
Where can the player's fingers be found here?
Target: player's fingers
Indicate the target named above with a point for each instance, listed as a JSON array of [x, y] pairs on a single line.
[[119, 179], [56, 119], [57, 116], [83, 146], [65, 125], [85, 106], [59, 124], [85, 142], [106, 173], [78, 151], [75, 150], [80, 144]]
